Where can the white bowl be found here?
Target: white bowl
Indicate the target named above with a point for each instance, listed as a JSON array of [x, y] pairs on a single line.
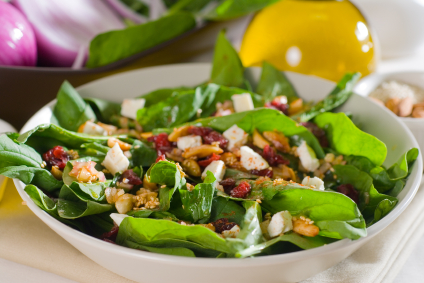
[[365, 86], [143, 266]]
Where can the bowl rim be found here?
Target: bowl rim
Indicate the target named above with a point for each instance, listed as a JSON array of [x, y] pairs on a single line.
[[221, 262]]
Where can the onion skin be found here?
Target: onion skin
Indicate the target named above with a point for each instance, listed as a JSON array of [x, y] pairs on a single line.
[[62, 28], [18, 46]]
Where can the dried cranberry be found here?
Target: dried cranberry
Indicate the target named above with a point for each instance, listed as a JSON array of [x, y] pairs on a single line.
[[278, 106], [228, 184], [161, 142], [317, 132], [209, 136], [111, 235], [241, 191], [263, 172], [199, 131], [223, 224], [161, 158], [272, 157], [216, 137], [56, 156], [131, 176], [209, 160], [350, 191]]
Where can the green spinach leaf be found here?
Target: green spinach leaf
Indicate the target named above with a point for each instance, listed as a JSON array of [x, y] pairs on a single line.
[[115, 45], [274, 83], [104, 109], [337, 97], [33, 175], [198, 202], [71, 111], [13, 153], [347, 139], [227, 68]]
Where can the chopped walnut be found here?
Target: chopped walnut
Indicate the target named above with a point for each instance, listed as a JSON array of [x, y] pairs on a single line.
[[146, 198]]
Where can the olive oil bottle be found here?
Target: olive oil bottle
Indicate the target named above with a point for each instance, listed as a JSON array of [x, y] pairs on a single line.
[[326, 38]]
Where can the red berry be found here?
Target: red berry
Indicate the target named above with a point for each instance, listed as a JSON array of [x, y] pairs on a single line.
[[223, 224], [209, 160], [162, 144], [111, 235], [56, 156], [317, 132], [228, 184], [272, 157], [241, 191], [131, 176], [160, 158], [199, 131], [209, 136], [350, 191], [264, 172], [278, 106]]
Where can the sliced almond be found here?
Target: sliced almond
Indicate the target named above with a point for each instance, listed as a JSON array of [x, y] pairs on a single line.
[[405, 107]]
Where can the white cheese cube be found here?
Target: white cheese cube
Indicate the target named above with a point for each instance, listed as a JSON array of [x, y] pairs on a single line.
[[242, 102], [189, 141], [307, 157], [217, 168], [93, 129], [235, 137], [281, 222], [130, 107], [117, 218], [232, 233], [115, 160], [315, 181], [252, 160]]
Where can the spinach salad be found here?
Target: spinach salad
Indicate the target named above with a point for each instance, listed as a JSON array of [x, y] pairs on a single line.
[[218, 170]]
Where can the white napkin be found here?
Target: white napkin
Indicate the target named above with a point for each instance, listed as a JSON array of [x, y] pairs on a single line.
[[382, 257]]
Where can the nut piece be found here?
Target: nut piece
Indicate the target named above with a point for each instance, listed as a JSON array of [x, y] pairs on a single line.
[[191, 167], [146, 135], [405, 107], [304, 226], [202, 151], [228, 158], [125, 203], [148, 185], [392, 104], [111, 129], [418, 112], [112, 194], [123, 145], [279, 140], [295, 106], [284, 172], [259, 140], [177, 133]]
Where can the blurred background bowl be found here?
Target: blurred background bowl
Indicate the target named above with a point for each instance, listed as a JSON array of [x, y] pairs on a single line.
[[368, 84]]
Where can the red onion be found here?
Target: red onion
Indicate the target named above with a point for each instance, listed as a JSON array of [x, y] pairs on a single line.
[[17, 41], [62, 28]]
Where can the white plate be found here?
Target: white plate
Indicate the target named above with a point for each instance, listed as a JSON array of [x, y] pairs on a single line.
[[142, 266]]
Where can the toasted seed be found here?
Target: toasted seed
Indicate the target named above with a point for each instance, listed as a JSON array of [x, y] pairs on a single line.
[[279, 140], [123, 145], [178, 132], [259, 140], [392, 104], [202, 151]]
